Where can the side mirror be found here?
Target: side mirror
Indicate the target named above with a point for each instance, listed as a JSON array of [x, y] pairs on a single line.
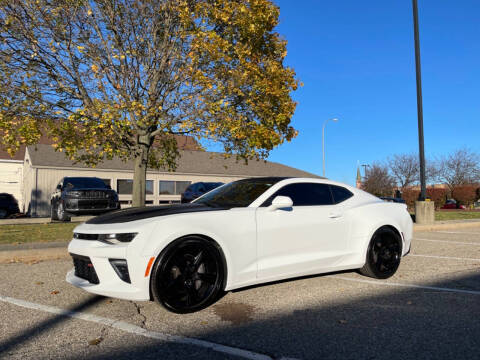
[[59, 187], [281, 202]]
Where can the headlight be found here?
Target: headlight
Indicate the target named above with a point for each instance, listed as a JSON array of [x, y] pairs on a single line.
[[108, 238], [74, 193], [117, 238]]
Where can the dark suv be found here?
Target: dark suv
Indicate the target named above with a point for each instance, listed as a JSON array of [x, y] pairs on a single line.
[[198, 189], [8, 205], [82, 196]]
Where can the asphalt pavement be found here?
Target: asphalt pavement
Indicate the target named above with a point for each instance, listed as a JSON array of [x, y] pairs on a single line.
[[428, 310]]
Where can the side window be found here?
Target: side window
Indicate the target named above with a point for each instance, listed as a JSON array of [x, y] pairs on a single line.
[[304, 194], [201, 188], [340, 194]]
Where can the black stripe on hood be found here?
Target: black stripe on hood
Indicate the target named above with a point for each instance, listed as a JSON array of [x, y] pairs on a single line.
[[140, 213]]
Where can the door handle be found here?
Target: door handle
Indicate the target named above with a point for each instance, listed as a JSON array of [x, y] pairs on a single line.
[[334, 215]]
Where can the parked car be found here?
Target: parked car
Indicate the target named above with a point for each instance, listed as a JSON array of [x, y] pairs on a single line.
[[452, 204], [393, 199], [82, 196], [8, 205], [243, 233], [196, 190]]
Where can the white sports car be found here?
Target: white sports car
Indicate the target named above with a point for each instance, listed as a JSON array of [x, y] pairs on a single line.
[[243, 233]]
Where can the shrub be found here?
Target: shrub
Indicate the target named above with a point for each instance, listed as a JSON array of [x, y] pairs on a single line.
[[465, 194], [438, 196]]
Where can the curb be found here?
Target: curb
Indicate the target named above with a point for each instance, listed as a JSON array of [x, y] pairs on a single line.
[[47, 220], [446, 226]]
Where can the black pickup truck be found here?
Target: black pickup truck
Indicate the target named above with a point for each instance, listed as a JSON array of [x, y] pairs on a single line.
[[82, 196]]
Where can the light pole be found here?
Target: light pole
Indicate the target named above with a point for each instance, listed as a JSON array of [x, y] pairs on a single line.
[[323, 141]]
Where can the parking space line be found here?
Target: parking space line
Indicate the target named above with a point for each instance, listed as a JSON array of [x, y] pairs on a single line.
[[443, 257], [137, 330], [448, 242], [393, 284]]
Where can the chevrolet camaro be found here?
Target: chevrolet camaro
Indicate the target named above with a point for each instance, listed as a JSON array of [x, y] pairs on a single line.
[[243, 233]]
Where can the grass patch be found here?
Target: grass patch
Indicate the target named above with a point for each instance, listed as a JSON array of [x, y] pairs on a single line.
[[29, 233], [456, 215]]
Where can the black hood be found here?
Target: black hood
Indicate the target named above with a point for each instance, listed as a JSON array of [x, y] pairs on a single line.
[[140, 213]]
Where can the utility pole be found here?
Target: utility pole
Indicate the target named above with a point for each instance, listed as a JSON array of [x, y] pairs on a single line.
[[421, 148]]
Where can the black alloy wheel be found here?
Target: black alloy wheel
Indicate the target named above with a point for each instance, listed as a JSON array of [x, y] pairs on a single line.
[[384, 254], [189, 275]]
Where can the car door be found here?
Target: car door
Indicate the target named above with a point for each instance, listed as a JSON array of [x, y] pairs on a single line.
[[309, 236]]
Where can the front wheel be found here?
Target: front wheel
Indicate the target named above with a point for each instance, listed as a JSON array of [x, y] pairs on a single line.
[[61, 213], [383, 254], [188, 276]]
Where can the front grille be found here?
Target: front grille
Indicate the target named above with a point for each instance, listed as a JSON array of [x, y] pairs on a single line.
[[94, 194], [92, 204], [84, 268]]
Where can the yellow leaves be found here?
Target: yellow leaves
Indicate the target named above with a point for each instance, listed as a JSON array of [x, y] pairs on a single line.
[[80, 48], [94, 68], [89, 12]]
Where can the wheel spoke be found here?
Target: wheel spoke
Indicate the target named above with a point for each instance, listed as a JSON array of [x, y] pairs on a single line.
[[198, 260], [208, 277]]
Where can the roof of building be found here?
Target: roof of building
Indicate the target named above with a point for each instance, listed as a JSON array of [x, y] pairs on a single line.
[[189, 162], [183, 142]]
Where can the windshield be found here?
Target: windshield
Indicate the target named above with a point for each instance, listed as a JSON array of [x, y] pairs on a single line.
[[211, 186], [238, 193], [84, 182]]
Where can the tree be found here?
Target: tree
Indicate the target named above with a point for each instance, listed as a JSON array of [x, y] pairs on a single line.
[[405, 169], [107, 78], [378, 181], [462, 167]]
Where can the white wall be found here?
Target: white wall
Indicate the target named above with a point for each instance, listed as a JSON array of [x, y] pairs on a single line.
[[11, 179]]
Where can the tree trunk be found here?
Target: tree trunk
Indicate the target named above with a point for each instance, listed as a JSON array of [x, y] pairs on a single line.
[[139, 177]]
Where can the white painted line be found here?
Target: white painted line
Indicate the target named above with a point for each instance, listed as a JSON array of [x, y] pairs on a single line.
[[382, 283], [443, 257], [448, 242], [136, 330], [458, 232]]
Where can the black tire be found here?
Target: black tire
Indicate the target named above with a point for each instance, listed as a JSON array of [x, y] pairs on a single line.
[[188, 275], [53, 212], [62, 215], [383, 255]]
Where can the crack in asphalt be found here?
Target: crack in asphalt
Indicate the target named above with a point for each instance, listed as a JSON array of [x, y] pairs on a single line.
[[138, 308]]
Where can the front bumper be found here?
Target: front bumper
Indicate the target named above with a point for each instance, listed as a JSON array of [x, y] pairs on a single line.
[[85, 206], [109, 282]]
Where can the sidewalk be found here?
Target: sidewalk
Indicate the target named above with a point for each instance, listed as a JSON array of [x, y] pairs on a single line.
[[44, 220]]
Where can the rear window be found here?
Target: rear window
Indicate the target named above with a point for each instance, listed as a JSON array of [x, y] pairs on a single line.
[[6, 197], [340, 193]]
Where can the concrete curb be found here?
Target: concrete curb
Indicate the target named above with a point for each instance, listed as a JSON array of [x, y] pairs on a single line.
[[447, 225]]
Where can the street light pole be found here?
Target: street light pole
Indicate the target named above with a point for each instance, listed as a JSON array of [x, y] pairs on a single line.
[[323, 141], [421, 147]]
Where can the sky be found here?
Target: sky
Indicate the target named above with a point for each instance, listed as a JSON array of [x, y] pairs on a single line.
[[356, 60]]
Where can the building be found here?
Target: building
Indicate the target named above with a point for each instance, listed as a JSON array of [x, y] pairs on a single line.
[[12, 167], [43, 168]]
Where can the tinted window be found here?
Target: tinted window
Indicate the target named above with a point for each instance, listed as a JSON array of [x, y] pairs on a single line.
[[238, 193], [149, 187], [340, 194], [304, 194], [83, 182], [107, 182], [124, 187]]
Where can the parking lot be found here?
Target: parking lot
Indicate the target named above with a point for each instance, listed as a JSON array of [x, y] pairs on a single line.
[[429, 309]]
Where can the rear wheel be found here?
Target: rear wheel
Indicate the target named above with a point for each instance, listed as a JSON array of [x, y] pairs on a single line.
[[383, 255], [188, 275]]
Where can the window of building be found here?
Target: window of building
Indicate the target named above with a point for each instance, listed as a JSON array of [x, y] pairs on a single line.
[[166, 187], [340, 193], [149, 187], [304, 194], [107, 182], [125, 187], [181, 186]]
